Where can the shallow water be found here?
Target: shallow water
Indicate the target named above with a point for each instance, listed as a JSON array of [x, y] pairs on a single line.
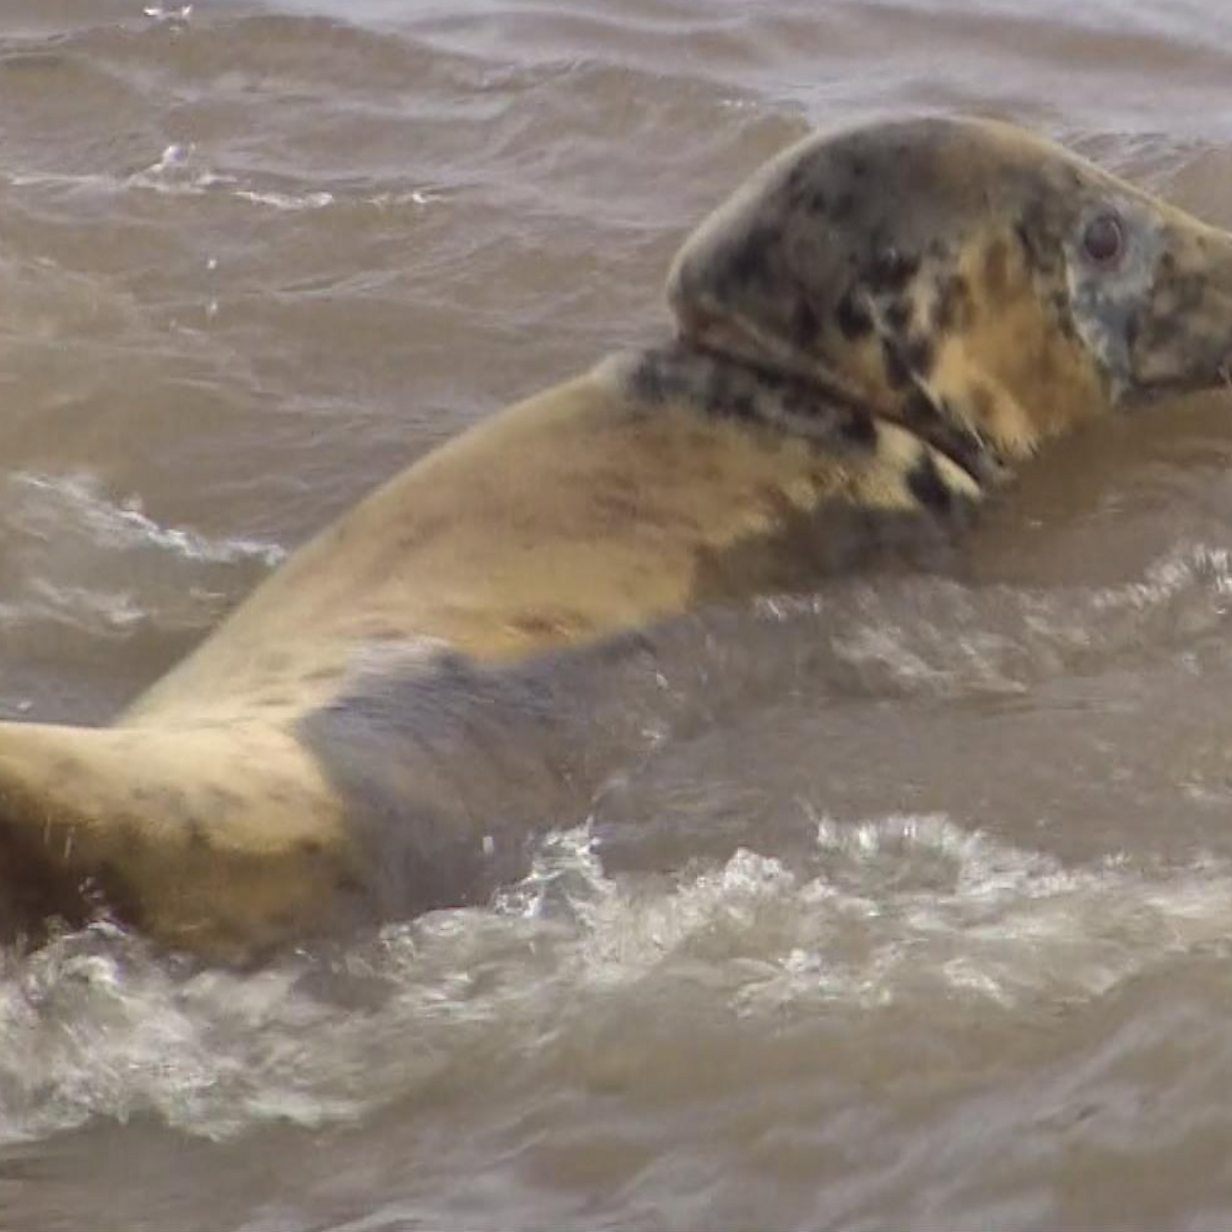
[[905, 905]]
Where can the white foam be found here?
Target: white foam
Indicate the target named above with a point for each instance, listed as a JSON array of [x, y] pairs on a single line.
[[906, 910], [50, 504], [182, 171], [941, 638], [79, 558]]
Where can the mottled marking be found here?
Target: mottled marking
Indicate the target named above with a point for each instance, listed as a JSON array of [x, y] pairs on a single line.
[[919, 411], [843, 208], [742, 405], [898, 374], [926, 485], [853, 318], [1039, 239], [1060, 308], [996, 269], [918, 355], [859, 428], [954, 306], [982, 402], [891, 270], [645, 381], [751, 262], [805, 324], [898, 316]]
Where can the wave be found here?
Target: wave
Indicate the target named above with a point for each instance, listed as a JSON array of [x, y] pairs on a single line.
[[907, 909], [78, 557]]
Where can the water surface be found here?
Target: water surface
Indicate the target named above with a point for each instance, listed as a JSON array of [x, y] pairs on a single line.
[[916, 894]]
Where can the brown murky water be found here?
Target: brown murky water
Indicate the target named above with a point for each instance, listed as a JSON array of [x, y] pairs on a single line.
[[918, 901]]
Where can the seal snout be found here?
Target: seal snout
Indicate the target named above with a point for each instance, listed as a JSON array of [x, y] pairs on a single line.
[[1180, 327]]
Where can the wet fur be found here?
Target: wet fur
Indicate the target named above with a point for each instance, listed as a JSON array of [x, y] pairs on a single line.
[[869, 335]]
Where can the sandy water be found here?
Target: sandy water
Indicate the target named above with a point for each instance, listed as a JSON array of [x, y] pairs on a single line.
[[908, 904]]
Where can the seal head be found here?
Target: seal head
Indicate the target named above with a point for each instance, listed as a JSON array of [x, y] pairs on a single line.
[[980, 285]]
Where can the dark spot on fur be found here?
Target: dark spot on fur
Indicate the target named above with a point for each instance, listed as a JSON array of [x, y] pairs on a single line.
[[891, 270], [859, 428], [311, 849], [896, 370], [1027, 241], [919, 355], [750, 262], [742, 405], [714, 388], [804, 322], [919, 410], [954, 307], [982, 403], [853, 319], [843, 208], [996, 268], [898, 316], [1037, 239], [644, 382], [926, 485], [197, 837]]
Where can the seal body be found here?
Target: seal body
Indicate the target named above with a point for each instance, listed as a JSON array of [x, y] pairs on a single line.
[[869, 336]]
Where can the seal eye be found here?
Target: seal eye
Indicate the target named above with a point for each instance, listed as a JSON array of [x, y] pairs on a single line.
[[1104, 239]]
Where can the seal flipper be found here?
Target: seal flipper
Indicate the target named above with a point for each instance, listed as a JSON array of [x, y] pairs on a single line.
[[223, 839]]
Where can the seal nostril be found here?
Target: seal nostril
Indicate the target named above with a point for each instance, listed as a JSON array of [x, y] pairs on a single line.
[[1104, 239]]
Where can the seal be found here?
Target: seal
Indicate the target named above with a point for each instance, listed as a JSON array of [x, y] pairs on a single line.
[[873, 332]]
